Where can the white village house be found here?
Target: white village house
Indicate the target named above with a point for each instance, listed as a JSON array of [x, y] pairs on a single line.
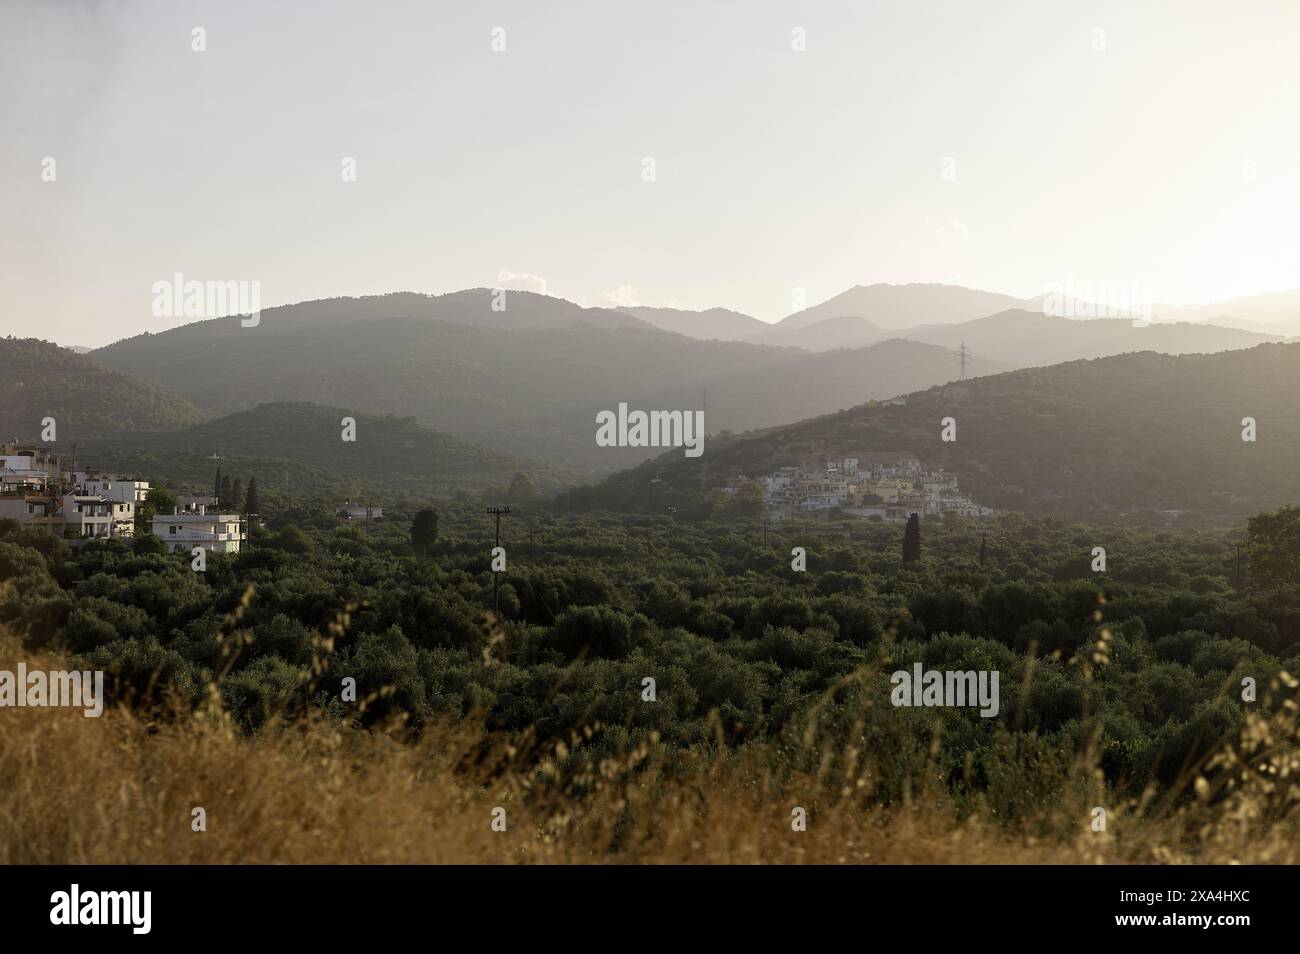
[[40, 494], [34, 490], [183, 530]]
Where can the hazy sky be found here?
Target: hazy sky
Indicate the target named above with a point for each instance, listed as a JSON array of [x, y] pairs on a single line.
[[1164, 151]]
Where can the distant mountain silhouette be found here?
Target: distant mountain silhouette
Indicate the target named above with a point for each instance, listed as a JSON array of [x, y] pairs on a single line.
[[529, 380], [824, 335], [478, 307], [905, 306], [520, 390], [1277, 312], [1286, 329], [1022, 338], [865, 314], [719, 324]]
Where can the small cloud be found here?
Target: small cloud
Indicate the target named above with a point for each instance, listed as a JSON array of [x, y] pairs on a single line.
[[624, 296], [951, 230], [520, 281]]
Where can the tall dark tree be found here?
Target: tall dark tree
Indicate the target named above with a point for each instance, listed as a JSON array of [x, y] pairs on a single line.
[[158, 500], [251, 501], [912, 540], [216, 486], [424, 530], [1273, 544], [223, 493], [237, 495]]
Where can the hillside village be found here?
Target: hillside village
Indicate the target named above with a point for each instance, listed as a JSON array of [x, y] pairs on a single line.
[[890, 490], [41, 493]]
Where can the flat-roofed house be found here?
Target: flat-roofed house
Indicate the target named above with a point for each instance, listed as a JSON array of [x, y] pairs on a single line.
[[214, 531]]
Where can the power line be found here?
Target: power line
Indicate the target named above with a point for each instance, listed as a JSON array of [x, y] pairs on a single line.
[[963, 356]]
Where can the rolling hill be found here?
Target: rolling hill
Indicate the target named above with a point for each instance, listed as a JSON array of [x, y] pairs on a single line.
[[1025, 338], [1089, 438], [865, 314], [904, 306], [713, 324], [529, 380], [827, 334], [528, 391], [297, 448], [1273, 312], [85, 398]]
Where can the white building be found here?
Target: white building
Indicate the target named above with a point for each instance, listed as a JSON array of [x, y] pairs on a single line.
[[23, 480], [27, 469], [214, 532], [32, 486], [36, 511], [781, 479], [115, 488], [85, 515]]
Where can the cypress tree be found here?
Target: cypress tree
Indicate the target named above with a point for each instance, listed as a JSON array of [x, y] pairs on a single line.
[[912, 540], [424, 530]]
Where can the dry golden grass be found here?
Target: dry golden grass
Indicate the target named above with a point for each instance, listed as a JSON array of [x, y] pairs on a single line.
[[120, 789]]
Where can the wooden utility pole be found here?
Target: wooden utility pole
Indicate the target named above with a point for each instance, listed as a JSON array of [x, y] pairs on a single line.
[[496, 576]]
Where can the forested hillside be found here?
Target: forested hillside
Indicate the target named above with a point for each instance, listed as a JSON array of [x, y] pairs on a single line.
[[298, 449], [86, 398], [1092, 439]]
